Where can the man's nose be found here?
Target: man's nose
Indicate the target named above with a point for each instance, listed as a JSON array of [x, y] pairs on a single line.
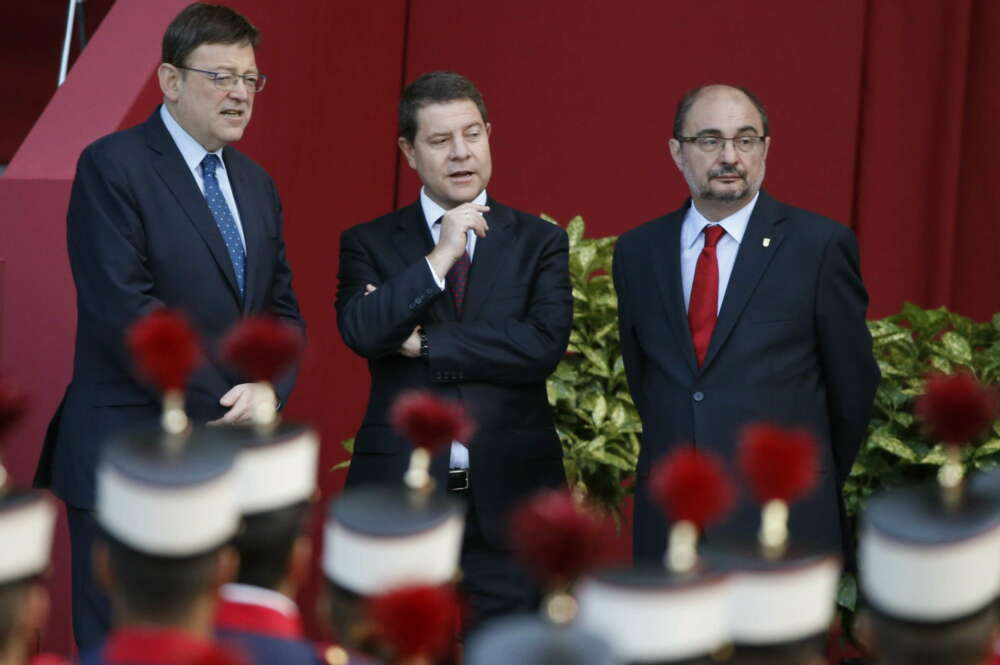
[[241, 90], [459, 148], [728, 153]]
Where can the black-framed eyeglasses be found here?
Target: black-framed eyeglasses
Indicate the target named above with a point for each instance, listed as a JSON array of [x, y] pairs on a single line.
[[226, 81], [715, 143]]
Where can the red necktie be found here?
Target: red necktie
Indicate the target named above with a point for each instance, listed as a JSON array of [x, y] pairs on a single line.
[[456, 280], [704, 301]]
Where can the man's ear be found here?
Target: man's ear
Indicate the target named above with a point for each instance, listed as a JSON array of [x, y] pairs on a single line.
[[170, 81], [489, 129], [227, 565], [298, 562], [675, 152], [35, 613], [100, 563], [407, 149]]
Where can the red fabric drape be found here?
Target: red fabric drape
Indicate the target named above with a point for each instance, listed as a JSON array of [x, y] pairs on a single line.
[[927, 195]]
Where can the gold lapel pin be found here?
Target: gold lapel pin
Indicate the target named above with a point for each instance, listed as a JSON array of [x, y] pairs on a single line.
[[767, 242]]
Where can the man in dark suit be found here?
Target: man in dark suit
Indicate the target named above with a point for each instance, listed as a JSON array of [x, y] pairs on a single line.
[[738, 308], [164, 214], [462, 295]]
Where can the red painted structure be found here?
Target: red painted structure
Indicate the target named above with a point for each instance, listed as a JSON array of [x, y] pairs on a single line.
[[881, 114]]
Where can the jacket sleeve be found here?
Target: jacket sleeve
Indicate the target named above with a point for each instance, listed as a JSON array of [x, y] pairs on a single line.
[[631, 353], [845, 348], [516, 350], [376, 324]]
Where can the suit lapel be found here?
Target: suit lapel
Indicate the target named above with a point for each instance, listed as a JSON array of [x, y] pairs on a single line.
[[174, 171], [752, 260], [412, 240], [252, 232], [488, 257], [665, 257]]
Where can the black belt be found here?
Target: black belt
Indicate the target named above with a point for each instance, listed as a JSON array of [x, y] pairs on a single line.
[[458, 480]]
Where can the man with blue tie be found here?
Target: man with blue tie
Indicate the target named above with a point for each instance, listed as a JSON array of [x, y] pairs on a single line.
[[166, 214], [738, 308]]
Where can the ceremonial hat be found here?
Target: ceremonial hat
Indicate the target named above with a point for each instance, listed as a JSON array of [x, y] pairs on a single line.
[[649, 615], [169, 495], [927, 559], [276, 466], [530, 640], [27, 519], [381, 537]]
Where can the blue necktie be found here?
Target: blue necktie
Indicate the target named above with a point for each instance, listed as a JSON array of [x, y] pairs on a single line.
[[224, 219]]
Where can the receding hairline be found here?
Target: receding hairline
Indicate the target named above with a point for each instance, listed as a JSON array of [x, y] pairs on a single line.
[[720, 90]]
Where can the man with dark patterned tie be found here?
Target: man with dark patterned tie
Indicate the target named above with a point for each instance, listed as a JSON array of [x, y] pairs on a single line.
[[166, 214], [467, 297], [738, 308]]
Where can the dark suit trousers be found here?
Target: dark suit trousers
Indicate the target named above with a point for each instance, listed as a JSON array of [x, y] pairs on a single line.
[[494, 583], [91, 608]]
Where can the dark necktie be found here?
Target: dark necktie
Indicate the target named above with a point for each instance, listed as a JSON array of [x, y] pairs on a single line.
[[224, 219], [456, 281], [703, 304]]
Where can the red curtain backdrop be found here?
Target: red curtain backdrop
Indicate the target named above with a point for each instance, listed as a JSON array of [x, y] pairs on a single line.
[[880, 111]]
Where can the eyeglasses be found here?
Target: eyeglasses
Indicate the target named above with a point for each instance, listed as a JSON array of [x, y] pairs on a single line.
[[227, 82], [714, 143]]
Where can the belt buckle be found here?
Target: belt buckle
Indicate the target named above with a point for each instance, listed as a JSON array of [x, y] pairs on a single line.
[[462, 475]]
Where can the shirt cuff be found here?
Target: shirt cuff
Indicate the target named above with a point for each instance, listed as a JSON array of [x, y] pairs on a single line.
[[438, 280]]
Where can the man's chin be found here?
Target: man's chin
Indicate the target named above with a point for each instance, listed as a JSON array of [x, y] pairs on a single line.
[[727, 195]]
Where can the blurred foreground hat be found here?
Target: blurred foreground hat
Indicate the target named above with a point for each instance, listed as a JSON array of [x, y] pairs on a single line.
[[379, 537], [27, 518], [675, 612], [530, 640], [169, 496], [925, 559], [276, 466]]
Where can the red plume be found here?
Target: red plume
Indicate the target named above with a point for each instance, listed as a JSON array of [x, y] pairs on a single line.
[[691, 486], [429, 421], [165, 349], [262, 347], [416, 621], [559, 538], [956, 408], [13, 406], [779, 463]]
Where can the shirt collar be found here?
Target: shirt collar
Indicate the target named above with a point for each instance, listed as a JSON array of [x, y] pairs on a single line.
[[255, 595], [735, 225], [192, 151], [433, 212]]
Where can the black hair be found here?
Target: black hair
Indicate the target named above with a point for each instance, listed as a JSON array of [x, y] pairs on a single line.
[[435, 88], [200, 23], [265, 544]]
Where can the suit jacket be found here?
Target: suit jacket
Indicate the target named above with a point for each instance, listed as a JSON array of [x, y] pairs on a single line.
[[518, 313], [140, 235], [271, 637], [790, 346]]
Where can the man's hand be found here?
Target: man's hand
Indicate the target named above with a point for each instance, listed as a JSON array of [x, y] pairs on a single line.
[[454, 227], [241, 400], [411, 346]]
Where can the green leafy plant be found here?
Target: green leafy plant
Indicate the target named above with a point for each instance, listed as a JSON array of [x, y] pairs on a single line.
[[593, 409]]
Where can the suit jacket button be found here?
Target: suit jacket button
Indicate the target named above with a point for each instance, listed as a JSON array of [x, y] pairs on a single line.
[[698, 396]]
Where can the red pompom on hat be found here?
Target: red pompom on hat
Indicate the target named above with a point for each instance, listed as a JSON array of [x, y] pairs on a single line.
[[691, 486], [416, 621], [262, 347], [165, 349], [956, 408], [558, 537], [428, 421], [779, 463], [13, 406]]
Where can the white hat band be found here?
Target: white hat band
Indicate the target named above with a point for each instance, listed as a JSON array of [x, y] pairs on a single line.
[[26, 531], [925, 582], [173, 521], [370, 565], [277, 475], [655, 624], [784, 604]]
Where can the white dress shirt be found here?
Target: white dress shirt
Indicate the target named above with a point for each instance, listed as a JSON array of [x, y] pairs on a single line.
[[693, 241], [193, 154], [432, 213]]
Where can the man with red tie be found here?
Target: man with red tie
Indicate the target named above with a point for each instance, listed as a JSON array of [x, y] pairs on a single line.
[[737, 308]]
